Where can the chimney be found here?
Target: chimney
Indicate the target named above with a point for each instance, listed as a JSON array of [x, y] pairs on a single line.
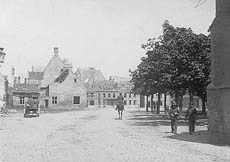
[[19, 79], [56, 51], [13, 71]]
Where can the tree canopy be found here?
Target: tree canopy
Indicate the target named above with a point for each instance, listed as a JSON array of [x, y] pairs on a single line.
[[176, 62]]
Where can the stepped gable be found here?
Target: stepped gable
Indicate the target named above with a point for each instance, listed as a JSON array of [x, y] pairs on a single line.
[[62, 76], [50, 61]]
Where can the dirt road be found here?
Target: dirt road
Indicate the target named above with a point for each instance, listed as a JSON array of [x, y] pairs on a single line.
[[98, 136]]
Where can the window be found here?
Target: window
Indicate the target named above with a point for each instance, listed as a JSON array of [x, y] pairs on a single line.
[[125, 102], [22, 101], [91, 94], [129, 95], [99, 95], [104, 95], [109, 95], [75, 80], [134, 95], [91, 102], [114, 95], [76, 100], [130, 102], [54, 100], [125, 95], [134, 102]]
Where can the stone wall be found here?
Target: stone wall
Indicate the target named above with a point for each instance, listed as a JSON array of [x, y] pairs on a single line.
[[219, 90], [65, 92]]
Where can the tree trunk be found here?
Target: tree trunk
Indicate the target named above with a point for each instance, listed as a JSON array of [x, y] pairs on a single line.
[[147, 103], [158, 103], [177, 98], [203, 105], [181, 103], [190, 96], [151, 102], [165, 99]]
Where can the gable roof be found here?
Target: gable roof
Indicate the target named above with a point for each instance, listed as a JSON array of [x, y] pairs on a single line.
[[89, 74], [62, 76], [25, 88], [51, 60], [38, 68], [35, 75]]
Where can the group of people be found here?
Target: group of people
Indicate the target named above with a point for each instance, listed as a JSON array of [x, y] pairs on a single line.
[[191, 115]]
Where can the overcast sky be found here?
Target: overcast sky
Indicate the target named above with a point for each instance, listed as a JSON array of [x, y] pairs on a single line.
[[105, 34]]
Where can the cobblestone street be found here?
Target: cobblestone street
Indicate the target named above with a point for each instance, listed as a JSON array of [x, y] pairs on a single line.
[[96, 135]]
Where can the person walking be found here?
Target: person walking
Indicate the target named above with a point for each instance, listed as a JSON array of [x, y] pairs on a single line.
[[191, 115], [174, 115]]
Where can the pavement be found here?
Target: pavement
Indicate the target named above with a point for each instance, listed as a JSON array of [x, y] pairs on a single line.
[[97, 135]]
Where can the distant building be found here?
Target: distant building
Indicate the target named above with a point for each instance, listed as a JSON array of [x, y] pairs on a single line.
[[120, 79], [54, 68], [55, 84], [60, 88], [21, 93], [67, 92], [35, 78], [89, 75], [102, 93]]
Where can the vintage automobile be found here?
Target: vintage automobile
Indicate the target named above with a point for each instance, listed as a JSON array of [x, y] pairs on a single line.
[[31, 109]]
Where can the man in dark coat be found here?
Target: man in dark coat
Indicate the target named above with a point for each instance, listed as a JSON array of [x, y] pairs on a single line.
[[120, 105], [191, 115], [174, 115]]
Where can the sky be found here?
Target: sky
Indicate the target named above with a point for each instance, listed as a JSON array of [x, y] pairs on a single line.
[[104, 34]]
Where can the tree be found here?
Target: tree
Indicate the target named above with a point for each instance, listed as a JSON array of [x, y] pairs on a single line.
[[177, 62]]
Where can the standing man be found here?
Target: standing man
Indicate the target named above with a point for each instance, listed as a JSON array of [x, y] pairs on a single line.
[[191, 115], [174, 114], [120, 105]]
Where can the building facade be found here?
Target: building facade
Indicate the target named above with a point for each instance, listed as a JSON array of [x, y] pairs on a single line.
[[66, 92], [21, 93], [57, 86], [60, 88], [219, 89]]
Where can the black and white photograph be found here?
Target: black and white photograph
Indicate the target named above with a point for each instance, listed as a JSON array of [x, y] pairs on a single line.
[[114, 80]]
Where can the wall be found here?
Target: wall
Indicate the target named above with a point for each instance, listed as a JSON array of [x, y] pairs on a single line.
[[2, 90], [219, 89], [65, 92]]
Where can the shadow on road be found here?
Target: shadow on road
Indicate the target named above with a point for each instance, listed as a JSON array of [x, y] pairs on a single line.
[[201, 136], [150, 119]]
